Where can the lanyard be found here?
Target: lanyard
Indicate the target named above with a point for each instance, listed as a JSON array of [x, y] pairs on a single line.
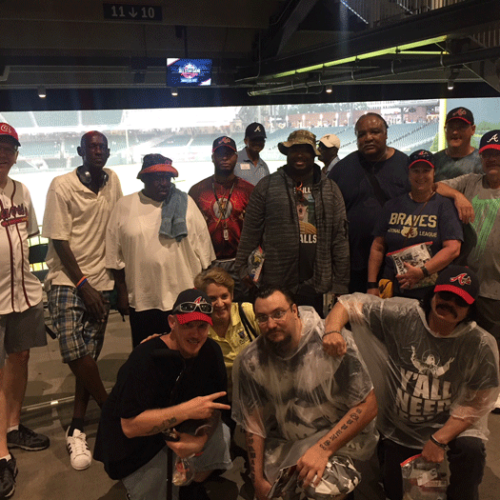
[[223, 206]]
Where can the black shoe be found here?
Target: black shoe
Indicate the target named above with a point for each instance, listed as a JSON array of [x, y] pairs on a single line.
[[27, 439], [8, 473]]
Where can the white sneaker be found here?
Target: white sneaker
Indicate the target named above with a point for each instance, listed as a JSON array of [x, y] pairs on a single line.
[[78, 450]]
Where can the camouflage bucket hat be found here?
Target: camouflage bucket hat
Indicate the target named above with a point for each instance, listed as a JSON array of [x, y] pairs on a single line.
[[299, 137]]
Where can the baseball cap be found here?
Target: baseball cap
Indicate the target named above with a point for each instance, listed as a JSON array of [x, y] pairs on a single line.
[[421, 155], [154, 163], [461, 114], [7, 131], [255, 130], [330, 141], [490, 140], [223, 141], [192, 305], [459, 280], [298, 137]]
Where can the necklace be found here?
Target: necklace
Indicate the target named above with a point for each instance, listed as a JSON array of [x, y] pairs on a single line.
[[223, 204]]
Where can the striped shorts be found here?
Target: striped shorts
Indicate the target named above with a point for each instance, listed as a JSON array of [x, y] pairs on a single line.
[[78, 333]]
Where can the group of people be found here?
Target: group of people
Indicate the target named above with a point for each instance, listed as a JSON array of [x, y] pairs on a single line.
[[375, 222]]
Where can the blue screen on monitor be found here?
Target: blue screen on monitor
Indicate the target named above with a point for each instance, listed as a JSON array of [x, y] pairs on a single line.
[[189, 72]]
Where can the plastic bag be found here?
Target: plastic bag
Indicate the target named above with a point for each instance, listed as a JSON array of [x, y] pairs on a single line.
[[183, 471], [424, 480]]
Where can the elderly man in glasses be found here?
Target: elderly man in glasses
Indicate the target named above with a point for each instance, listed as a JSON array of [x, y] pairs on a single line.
[[436, 380], [168, 394], [306, 415]]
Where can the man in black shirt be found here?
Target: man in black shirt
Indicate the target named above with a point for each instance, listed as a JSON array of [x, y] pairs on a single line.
[[166, 389]]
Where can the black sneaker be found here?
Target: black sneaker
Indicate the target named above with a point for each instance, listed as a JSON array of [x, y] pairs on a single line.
[[27, 439], [8, 473]]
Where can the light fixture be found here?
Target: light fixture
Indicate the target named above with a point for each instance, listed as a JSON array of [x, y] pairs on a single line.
[[174, 92], [42, 93], [328, 89], [451, 85]]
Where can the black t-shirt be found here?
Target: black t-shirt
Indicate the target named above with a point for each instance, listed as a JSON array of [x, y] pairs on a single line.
[[146, 381], [361, 202]]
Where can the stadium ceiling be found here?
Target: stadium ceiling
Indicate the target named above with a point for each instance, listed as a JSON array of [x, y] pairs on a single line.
[[264, 51]]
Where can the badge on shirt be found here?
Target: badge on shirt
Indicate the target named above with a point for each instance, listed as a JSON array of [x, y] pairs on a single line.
[[245, 166]]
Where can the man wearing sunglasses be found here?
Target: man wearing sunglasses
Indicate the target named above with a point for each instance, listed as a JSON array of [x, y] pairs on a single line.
[[168, 388], [435, 374], [303, 411]]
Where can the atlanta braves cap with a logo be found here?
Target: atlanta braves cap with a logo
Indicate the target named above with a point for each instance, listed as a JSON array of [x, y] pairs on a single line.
[[459, 280], [223, 142], [193, 305], [7, 131], [421, 156], [156, 163], [490, 140], [255, 130], [329, 141], [463, 114]]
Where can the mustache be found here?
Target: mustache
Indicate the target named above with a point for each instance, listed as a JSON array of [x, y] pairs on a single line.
[[446, 307]]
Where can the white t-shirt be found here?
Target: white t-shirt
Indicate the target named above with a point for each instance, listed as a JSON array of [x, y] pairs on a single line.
[[74, 213], [157, 268], [19, 289]]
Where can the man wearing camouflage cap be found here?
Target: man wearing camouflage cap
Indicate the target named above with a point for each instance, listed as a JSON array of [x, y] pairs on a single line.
[[299, 221]]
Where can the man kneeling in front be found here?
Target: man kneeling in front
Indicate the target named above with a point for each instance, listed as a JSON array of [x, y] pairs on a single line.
[[166, 392], [306, 415]]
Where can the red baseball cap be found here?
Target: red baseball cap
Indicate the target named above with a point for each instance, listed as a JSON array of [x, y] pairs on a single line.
[[7, 130]]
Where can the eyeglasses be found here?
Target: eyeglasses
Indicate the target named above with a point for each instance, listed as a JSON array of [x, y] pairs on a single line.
[[453, 297], [277, 315], [187, 307], [10, 150]]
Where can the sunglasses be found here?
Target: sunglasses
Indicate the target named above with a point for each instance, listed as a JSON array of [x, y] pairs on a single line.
[[187, 307], [453, 297]]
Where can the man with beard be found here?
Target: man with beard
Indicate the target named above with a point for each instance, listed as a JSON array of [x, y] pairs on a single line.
[[222, 199], [304, 412], [78, 284], [299, 220], [438, 377], [251, 166], [367, 178], [157, 242]]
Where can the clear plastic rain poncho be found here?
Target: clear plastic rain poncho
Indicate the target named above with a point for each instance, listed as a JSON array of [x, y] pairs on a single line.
[[293, 401], [421, 378]]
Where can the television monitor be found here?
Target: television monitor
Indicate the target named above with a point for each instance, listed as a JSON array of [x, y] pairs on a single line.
[[189, 72]]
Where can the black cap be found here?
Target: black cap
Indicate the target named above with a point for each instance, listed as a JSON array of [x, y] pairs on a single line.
[[459, 280], [192, 296], [421, 155], [255, 130], [490, 140], [461, 113], [223, 142]]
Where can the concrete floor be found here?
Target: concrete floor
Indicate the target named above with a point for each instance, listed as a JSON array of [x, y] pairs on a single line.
[[48, 474]]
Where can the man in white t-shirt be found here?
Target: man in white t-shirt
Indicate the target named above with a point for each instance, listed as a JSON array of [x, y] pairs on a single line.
[[21, 311], [76, 215], [157, 242]]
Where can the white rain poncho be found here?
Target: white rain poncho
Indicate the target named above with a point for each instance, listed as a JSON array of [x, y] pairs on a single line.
[[421, 378], [293, 401]]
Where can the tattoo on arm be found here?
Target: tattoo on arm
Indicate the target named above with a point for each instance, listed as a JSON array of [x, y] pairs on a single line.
[[166, 424], [325, 445], [251, 457]]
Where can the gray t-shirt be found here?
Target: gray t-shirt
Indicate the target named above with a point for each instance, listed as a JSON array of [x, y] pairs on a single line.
[[484, 259], [449, 168]]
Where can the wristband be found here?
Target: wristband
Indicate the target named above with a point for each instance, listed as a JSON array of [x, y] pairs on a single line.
[[436, 442], [82, 282], [371, 284], [332, 331], [425, 271]]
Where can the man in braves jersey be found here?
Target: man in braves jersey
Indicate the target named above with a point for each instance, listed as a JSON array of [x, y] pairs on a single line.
[[76, 215], [21, 311], [222, 199]]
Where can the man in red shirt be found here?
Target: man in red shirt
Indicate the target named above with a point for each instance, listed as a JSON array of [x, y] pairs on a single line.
[[222, 199]]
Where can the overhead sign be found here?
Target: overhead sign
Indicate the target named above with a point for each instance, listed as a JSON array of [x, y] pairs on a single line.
[[127, 12]]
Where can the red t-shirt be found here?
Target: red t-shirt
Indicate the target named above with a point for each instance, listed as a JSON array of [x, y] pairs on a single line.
[[223, 206]]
